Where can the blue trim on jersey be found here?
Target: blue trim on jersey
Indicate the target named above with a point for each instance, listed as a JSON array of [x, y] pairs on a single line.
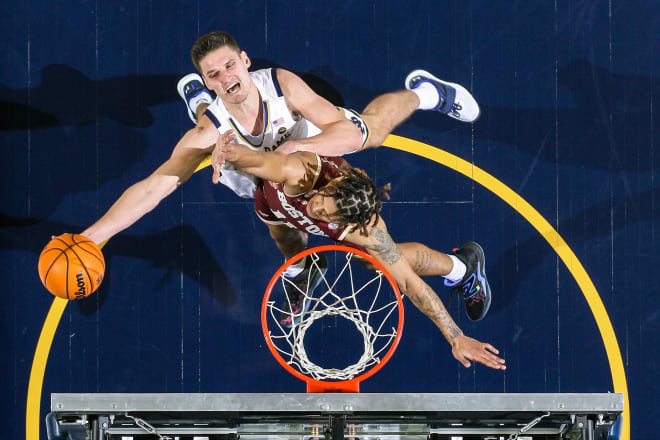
[[276, 83], [245, 136], [213, 119]]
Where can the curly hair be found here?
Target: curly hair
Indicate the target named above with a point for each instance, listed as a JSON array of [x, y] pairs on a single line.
[[357, 197], [210, 42]]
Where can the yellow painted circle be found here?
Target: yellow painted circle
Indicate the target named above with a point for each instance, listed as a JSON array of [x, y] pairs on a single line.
[[32, 417]]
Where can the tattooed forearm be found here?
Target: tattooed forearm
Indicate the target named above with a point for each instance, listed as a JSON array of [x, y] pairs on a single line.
[[426, 300], [385, 246]]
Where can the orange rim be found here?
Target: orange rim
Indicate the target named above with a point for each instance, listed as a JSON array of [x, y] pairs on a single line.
[[351, 385]]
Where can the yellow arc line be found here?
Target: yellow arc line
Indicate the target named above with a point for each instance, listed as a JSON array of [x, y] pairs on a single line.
[[39, 368], [451, 161], [552, 237]]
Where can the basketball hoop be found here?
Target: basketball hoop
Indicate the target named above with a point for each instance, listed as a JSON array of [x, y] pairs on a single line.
[[369, 301]]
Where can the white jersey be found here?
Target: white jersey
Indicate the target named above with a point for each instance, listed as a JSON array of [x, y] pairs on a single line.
[[279, 126]]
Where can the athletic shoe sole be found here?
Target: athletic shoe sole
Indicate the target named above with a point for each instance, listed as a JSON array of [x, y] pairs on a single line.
[[179, 88]]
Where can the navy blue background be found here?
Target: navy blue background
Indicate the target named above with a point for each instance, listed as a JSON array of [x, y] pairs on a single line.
[[569, 94]]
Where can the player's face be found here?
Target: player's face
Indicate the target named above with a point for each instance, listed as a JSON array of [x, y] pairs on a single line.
[[322, 207], [225, 71]]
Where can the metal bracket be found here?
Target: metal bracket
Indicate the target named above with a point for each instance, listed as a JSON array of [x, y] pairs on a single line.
[[147, 427], [528, 426]]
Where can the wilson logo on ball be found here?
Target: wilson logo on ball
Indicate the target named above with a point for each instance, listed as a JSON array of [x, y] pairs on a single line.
[[80, 293]]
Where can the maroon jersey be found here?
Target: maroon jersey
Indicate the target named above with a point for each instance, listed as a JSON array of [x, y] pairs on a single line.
[[274, 206]]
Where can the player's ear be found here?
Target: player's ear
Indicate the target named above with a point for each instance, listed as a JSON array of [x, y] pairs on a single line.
[[246, 59]]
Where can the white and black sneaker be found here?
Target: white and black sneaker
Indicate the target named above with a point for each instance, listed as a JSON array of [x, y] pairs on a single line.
[[455, 101], [192, 90]]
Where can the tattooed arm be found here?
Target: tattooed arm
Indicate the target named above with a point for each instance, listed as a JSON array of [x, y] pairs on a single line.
[[384, 249]]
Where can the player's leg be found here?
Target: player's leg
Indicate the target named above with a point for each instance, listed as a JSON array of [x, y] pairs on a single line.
[[302, 277], [464, 271], [288, 240], [194, 93], [424, 92], [428, 262], [386, 112]]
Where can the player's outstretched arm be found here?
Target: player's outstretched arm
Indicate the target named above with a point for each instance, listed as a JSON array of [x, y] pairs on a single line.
[[145, 195], [296, 171], [338, 136], [465, 349]]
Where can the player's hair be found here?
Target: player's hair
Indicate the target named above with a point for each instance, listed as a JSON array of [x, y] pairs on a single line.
[[357, 197], [210, 42]]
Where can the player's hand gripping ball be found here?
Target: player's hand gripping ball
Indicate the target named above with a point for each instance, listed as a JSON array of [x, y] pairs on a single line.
[[71, 266]]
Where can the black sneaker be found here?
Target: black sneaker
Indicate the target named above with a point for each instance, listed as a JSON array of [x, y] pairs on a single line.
[[301, 287], [474, 286]]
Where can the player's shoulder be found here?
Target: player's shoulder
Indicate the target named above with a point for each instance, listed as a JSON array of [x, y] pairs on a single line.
[[269, 82], [290, 83], [283, 74], [306, 163], [301, 170], [262, 74]]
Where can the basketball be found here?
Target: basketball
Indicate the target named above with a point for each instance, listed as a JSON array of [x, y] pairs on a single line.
[[71, 266]]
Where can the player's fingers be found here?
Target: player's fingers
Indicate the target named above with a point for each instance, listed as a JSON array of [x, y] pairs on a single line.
[[216, 163], [216, 174], [222, 139], [228, 136], [215, 177], [228, 146], [490, 348], [492, 361]]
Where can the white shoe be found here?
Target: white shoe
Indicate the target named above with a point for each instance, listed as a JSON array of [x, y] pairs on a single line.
[[455, 101], [192, 90]]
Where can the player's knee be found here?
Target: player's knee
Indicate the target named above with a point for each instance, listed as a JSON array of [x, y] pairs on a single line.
[[287, 235], [378, 131], [375, 141]]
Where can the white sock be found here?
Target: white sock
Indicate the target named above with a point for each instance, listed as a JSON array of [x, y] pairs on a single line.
[[457, 271], [199, 99], [428, 96], [296, 268]]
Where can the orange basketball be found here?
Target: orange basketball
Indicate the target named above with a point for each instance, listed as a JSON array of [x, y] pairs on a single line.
[[71, 266]]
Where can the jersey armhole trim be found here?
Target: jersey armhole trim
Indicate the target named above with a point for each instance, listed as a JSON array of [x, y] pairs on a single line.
[[276, 83], [208, 113]]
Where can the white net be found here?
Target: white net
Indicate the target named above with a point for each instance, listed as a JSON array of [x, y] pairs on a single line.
[[370, 305]]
